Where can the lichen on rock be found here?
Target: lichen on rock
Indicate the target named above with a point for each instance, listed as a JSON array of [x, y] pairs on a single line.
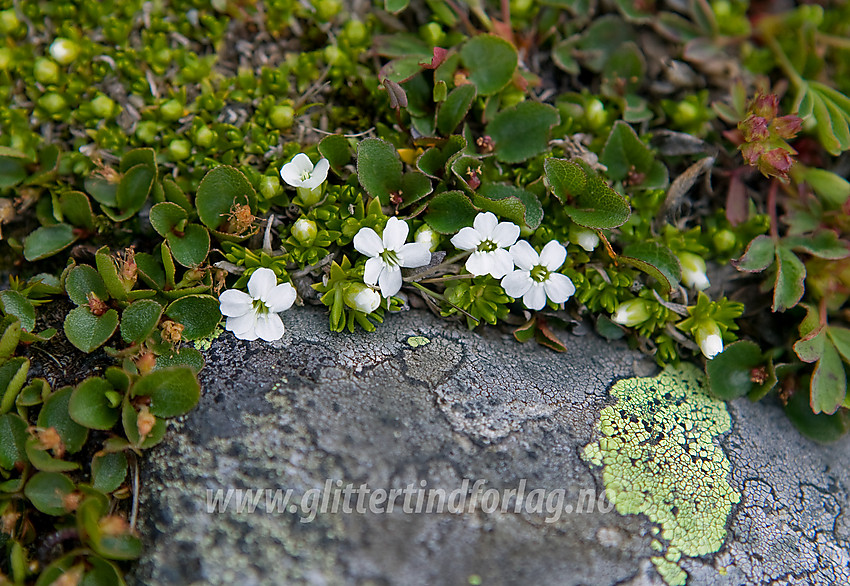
[[660, 459]]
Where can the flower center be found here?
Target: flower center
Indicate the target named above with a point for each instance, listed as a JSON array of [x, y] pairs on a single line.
[[540, 273], [487, 246], [260, 307], [305, 175], [390, 258]]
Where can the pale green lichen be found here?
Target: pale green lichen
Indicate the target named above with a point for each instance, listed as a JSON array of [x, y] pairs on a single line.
[[416, 341], [205, 343], [660, 459]]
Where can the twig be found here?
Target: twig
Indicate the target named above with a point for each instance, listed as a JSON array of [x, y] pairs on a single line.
[[442, 298]]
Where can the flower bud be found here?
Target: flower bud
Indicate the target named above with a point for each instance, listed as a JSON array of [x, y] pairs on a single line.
[[428, 236], [775, 162], [282, 117], [751, 151], [310, 197], [179, 149], [103, 107], [171, 110], [362, 298], [8, 21], [631, 313], [788, 126], [204, 136], [270, 186], [65, 51], [693, 271], [46, 71], [724, 240], [587, 239], [304, 230], [754, 128], [765, 106], [594, 113], [709, 339]]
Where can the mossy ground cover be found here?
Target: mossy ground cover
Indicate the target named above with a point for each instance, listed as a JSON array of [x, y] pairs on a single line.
[[671, 173]]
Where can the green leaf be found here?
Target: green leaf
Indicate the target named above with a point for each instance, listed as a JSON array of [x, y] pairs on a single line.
[[830, 187], [821, 428], [760, 254], [395, 6], [790, 278], [219, 190], [14, 303], [174, 194], [90, 407], [518, 205], [47, 490], [13, 375], [624, 151], [117, 287], [55, 413], [83, 280], [166, 216], [129, 419], [589, 201], [41, 460], [108, 471], [12, 172], [822, 244], [199, 315], [491, 62], [452, 112], [841, 338], [10, 334], [76, 208], [48, 240], [809, 348], [87, 331], [34, 393], [522, 132], [378, 168], [150, 270], [434, 161], [139, 320], [624, 70], [563, 54], [663, 264], [415, 186], [132, 192], [102, 190], [191, 247], [730, 372], [184, 357], [450, 211], [141, 156], [336, 150], [604, 36], [174, 391], [829, 381], [566, 179], [832, 113], [13, 438]]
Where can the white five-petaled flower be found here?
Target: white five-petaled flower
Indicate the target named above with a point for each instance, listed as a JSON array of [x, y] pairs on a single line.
[[389, 254], [488, 239], [300, 172], [536, 279], [254, 315]]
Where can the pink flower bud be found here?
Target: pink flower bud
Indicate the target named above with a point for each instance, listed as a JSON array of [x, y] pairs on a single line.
[[752, 151], [754, 128], [776, 163], [788, 126], [766, 106]]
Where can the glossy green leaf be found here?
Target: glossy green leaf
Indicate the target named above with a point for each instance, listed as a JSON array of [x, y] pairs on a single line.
[[141, 156], [129, 419], [659, 257], [453, 110], [518, 205], [13, 375], [829, 381], [491, 62], [589, 201], [624, 151], [185, 357], [167, 216], [47, 490], [522, 132], [13, 303], [48, 240], [34, 393], [219, 190], [108, 470], [13, 437], [336, 149], [790, 278], [173, 391], [378, 168], [87, 331], [90, 407], [199, 315], [566, 179], [730, 372], [139, 320], [42, 460], [191, 247], [760, 254], [76, 208], [450, 211]]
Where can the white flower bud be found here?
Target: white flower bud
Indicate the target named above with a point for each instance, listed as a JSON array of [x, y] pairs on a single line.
[[693, 271], [587, 239], [709, 339], [428, 236], [304, 230], [362, 298], [64, 51], [631, 313]]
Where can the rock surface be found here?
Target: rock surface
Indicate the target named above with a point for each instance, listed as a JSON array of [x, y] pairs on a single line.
[[423, 401]]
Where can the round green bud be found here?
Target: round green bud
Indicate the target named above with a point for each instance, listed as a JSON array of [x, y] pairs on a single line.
[[205, 136], [304, 230], [46, 71], [171, 110], [282, 117], [333, 55], [8, 21], [5, 58], [356, 33], [179, 149], [594, 113], [52, 103], [146, 131], [685, 113], [270, 187], [724, 240], [327, 9], [103, 107], [428, 236], [521, 7], [65, 51], [432, 33]]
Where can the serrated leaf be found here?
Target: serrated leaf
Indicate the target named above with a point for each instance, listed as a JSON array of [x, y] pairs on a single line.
[[453, 110], [217, 193], [760, 254], [566, 179], [660, 259], [522, 132], [139, 320], [829, 381], [730, 372], [199, 315], [378, 168], [450, 211], [54, 413], [87, 331], [13, 303], [48, 240], [90, 407], [491, 62], [507, 201], [790, 278], [173, 391]]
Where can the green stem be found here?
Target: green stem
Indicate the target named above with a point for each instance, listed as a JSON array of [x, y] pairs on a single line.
[[445, 263], [442, 298], [783, 60], [833, 41], [445, 278]]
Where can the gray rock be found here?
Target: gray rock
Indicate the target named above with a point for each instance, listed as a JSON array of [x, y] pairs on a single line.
[[429, 404]]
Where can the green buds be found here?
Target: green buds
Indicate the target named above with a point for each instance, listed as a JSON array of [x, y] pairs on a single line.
[[631, 313], [305, 231]]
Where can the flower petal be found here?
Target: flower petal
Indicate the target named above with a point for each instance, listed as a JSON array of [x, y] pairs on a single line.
[[319, 174], [269, 327], [553, 255], [485, 223], [367, 242], [390, 281], [505, 234], [501, 263], [292, 172], [244, 326], [234, 303], [372, 270], [467, 239], [415, 254], [558, 287], [262, 283], [281, 298], [525, 257], [480, 263], [516, 283], [535, 297], [395, 234]]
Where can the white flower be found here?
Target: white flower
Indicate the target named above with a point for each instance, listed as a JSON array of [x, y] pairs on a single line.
[[587, 239], [693, 271], [631, 313], [300, 172], [254, 315], [536, 279], [709, 339], [389, 254], [488, 239], [362, 298]]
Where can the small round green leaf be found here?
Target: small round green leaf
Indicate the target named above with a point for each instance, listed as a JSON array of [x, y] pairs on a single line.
[[174, 391], [139, 319], [130, 418], [55, 413], [82, 280], [87, 331], [48, 240], [522, 132], [336, 150], [219, 190], [13, 439], [47, 490], [199, 315], [491, 62], [13, 375], [185, 357], [14, 303], [378, 168], [452, 112], [730, 372], [76, 207], [450, 211], [190, 248], [108, 470], [166, 216], [90, 407]]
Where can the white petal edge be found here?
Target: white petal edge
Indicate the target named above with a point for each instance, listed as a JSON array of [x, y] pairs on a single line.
[[517, 283], [319, 174], [372, 270], [395, 234], [234, 303], [390, 281], [269, 327], [485, 223], [505, 234], [502, 263], [525, 257], [243, 327], [467, 239], [281, 298], [262, 283], [292, 171], [415, 254], [553, 255], [559, 287], [367, 242], [535, 297], [480, 263]]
